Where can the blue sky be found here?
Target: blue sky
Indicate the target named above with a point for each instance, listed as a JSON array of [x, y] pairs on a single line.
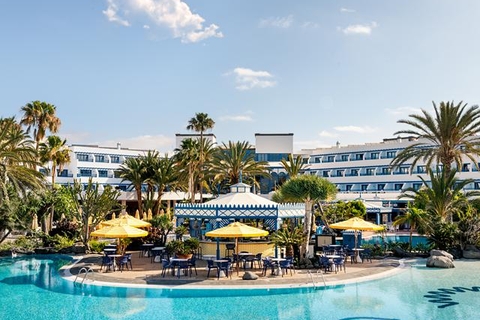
[[135, 71]]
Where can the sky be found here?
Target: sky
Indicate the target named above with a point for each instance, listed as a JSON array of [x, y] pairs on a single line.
[[136, 71]]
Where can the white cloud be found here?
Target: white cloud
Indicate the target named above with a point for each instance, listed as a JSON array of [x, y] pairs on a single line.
[[237, 118], [146, 26], [277, 22], [364, 29], [112, 14], [346, 10], [403, 111], [356, 129], [247, 79], [172, 14], [310, 25], [327, 134]]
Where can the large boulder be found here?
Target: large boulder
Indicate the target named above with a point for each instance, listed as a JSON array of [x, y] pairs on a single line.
[[471, 252], [440, 259], [399, 252]]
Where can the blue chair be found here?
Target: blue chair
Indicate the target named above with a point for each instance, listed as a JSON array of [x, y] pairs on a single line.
[[211, 266], [183, 265], [325, 263], [224, 266], [123, 262], [339, 264], [366, 255], [258, 259], [107, 262], [192, 264], [284, 266], [267, 264], [166, 265]]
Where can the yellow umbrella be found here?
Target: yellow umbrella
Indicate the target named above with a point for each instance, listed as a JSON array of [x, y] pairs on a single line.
[[237, 230], [355, 224], [119, 231], [128, 220], [137, 215]]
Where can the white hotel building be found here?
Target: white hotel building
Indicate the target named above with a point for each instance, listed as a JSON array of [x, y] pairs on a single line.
[[359, 171]]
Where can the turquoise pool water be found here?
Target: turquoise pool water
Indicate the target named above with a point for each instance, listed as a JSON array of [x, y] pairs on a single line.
[[31, 289], [395, 238]]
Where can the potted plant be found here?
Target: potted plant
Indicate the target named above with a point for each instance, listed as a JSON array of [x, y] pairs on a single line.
[[183, 249]]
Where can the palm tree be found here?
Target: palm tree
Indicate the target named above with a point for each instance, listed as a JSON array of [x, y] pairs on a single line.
[[294, 166], [309, 189], [187, 156], [444, 138], [200, 123], [133, 170], [18, 161], [164, 175], [444, 197], [234, 161], [288, 237], [415, 217], [40, 116], [56, 152]]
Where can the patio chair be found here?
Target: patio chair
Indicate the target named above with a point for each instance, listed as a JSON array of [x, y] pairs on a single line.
[[211, 266], [129, 258], [351, 254], [366, 255], [267, 264], [258, 259], [183, 265], [166, 265], [123, 262], [248, 259], [224, 266], [339, 264], [292, 263], [192, 264], [107, 262], [284, 266], [325, 263]]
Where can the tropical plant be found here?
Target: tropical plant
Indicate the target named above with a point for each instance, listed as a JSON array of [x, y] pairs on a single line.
[[443, 138], [415, 217], [235, 161], [310, 189], [294, 166], [200, 123], [40, 116], [444, 236], [287, 238], [443, 197], [161, 227], [55, 152], [164, 175], [179, 247], [133, 170], [188, 157], [92, 206]]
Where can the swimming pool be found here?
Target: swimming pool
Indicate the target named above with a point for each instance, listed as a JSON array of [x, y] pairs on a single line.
[[30, 288], [395, 238]]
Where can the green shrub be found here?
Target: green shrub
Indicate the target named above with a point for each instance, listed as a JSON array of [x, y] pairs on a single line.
[[61, 242], [27, 243], [97, 246]]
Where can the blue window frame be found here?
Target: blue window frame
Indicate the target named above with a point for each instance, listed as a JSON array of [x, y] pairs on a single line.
[[82, 157]]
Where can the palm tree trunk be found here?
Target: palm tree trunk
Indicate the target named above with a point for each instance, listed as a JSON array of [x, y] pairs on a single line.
[[139, 199], [306, 227], [159, 202]]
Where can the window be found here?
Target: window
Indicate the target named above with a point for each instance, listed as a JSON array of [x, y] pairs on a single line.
[[116, 174], [102, 173], [329, 159], [417, 186], [364, 187], [359, 156], [344, 157], [115, 159], [82, 157], [403, 170], [398, 186], [348, 187], [374, 155], [391, 154], [354, 172], [369, 172], [380, 186], [325, 174], [339, 173], [421, 169], [99, 158], [466, 167], [85, 173], [385, 170], [317, 160], [476, 185]]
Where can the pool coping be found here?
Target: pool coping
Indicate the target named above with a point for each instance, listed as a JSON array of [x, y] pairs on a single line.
[[294, 285]]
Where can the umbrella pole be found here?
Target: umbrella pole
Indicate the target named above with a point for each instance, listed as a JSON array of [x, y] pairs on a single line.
[[236, 249]]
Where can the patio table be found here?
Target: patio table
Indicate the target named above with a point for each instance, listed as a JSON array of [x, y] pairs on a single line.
[[277, 263]]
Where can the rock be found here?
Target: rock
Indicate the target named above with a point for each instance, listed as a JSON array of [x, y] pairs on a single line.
[[399, 252], [439, 262], [79, 249], [471, 252], [435, 252], [249, 276]]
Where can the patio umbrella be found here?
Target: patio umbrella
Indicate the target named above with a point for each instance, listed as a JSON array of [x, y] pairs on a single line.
[[35, 222], [127, 219], [119, 230], [237, 230], [137, 215], [149, 214], [355, 224]]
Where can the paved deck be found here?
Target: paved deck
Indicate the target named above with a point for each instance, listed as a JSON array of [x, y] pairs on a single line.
[[146, 273]]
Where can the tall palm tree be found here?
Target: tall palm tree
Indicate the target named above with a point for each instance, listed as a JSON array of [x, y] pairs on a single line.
[[149, 162], [188, 157], [443, 197], [452, 132], [54, 151], [133, 170], [40, 116], [18, 161], [236, 160], [201, 123], [415, 217], [294, 166], [164, 175]]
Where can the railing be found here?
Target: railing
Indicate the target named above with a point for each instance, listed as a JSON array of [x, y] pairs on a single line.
[[85, 271], [313, 280]]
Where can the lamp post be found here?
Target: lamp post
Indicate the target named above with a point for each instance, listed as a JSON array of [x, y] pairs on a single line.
[[218, 220]]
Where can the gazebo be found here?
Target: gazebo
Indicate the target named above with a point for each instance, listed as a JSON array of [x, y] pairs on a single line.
[[240, 203]]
